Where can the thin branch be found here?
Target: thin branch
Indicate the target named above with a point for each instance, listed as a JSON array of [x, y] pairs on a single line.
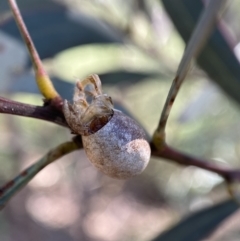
[[195, 45], [47, 113], [12, 187], [43, 81], [187, 160]]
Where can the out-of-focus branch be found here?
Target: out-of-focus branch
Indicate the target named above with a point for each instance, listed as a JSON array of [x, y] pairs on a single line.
[[171, 154], [47, 113], [197, 41], [12, 187], [43, 81]]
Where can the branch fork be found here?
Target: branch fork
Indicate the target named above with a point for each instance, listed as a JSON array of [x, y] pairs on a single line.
[[52, 108]]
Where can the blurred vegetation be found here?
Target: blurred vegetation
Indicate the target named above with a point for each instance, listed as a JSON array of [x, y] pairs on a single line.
[[136, 50]]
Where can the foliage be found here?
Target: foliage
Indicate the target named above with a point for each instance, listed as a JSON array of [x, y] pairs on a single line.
[[136, 53]]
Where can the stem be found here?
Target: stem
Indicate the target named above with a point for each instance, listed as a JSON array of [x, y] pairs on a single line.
[[12, 187], [187, 160], [47, 113], [195, 45], [43, 81]]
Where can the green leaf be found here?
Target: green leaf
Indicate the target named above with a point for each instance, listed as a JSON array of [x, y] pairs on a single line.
[[199, 225], [217, 58], [103, 59]]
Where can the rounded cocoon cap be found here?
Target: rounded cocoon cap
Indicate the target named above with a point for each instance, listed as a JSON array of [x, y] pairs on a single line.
[[119, 148]]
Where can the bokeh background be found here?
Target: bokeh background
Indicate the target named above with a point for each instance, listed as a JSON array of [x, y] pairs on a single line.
[[135, 48]]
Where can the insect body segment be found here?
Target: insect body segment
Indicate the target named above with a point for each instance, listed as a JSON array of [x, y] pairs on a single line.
[[90, 110]]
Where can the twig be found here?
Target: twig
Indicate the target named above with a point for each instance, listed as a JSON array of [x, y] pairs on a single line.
[[47, 113], [197, 41], [13, 186], [43, 81], [183, 159]]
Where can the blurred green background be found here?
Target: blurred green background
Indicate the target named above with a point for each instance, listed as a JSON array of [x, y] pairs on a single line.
[[135, 48]]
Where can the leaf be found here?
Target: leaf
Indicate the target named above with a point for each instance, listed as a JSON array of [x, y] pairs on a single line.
[[199, 225], [217, 57], [114, 63], [106, 59]]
